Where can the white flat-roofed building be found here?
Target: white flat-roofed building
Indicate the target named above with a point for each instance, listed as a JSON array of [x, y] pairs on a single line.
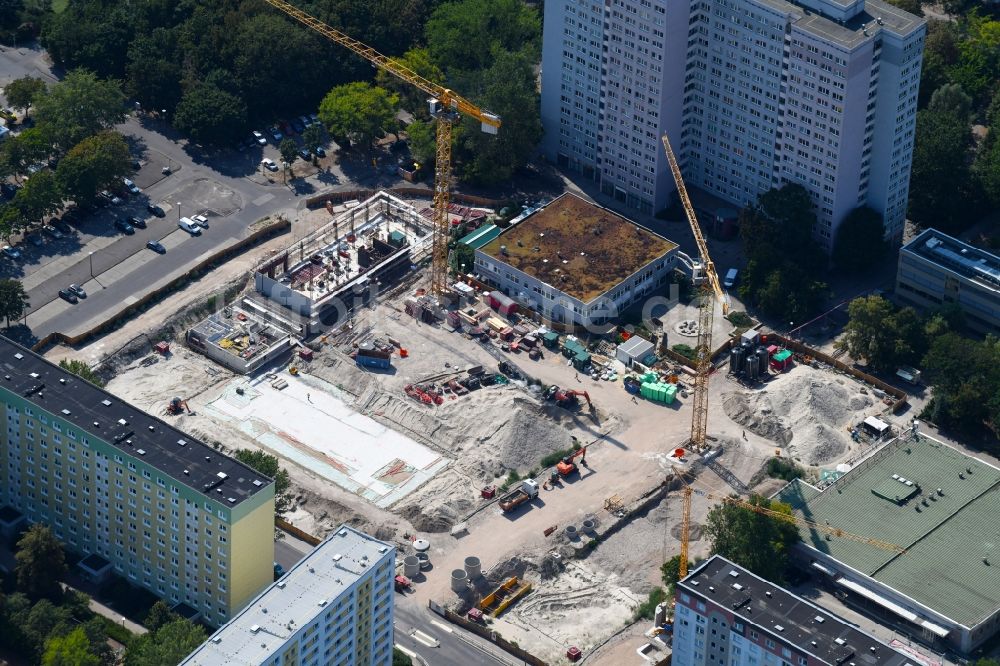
[[334, 607]]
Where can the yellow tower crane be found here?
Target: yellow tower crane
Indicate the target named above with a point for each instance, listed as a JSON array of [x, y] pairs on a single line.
[[711, 290], [446, 106], [822, 527]]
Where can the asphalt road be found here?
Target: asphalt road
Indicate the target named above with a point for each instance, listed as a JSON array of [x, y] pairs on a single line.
[[416, 628]]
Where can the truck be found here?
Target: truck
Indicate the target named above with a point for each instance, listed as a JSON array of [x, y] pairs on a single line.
[[526, 491]]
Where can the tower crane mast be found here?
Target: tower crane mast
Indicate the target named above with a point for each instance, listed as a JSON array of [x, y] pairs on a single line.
[[446, 106]]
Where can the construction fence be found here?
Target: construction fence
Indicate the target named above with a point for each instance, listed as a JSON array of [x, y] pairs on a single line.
[[286, 526], [488, 634], [410, 192], [281, 226]]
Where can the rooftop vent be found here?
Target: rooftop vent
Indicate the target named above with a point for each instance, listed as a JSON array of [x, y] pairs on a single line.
[[18, 356], [96, 424], [737, 586], [839, 641], [208, 459], [231, 500], [106, 402], [122, 422], [342, 532], [151, 428], [257, 482], [813, 643], [281, 584], [819, 619], [62, 380], [337, 557], [222, 475], [254, 629], [33, 375], [711, 588], [182, 442], [322, 603], [141, 452], [66, 412], [767, 593], [778, 627], [382, 549], [187, 473], [734, 573]]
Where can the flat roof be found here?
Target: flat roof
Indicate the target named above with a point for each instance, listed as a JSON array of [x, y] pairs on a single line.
[[947, 535], [137, 434], [260, 630], [959, 257], [852, 32], [785, 616], [578, 247]]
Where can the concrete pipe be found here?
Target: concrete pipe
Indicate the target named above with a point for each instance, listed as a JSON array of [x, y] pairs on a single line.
[[571, 532], [588, 526], [459, 580], [473, 568], [424, 559], [411, 566]]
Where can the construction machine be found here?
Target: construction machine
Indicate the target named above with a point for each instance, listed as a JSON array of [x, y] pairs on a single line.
[[178, 406], [567, 398], [446, 107], [756, 508], [566, 466], [710, 291]]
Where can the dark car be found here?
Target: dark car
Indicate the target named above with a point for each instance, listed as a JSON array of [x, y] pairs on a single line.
[[305, 154], [68, 296], [155, 210], [296, 125], [8, 190], [319, 152], [137, 222], [156, 246], [62, 226], [77, 290], [124, 226]]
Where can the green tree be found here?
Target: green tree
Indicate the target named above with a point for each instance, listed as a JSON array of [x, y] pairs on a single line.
[[41, 563], [153, 72], [359, 111], [403, 659], [950, 98], [869, 334], [986, 167], [43, 620], [670, 571], [167, 645], [423, 142], [96, 163], [211, 116], [940, 172], [752, 540], [911, 6], [965, 375], [465, 34], [418, 61], [159, 615], [40, 196], [79, 106], [289, 150], [29, 147], [268, 465], [13, 300], [73, 649], [21, 93], [510, 90], [313, 138], [81, 370], [940, 55], [463, 255], [859, 244]]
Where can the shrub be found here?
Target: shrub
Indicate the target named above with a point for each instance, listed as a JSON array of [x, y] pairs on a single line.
[[686, 351], [782, 468], [647, 608]]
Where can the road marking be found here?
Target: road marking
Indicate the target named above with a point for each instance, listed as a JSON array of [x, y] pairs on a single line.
[[409, 653], [262, 199], [426, 639], [442, 626]]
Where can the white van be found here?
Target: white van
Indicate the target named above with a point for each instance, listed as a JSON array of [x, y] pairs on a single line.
[[730, 279], [188, 225]]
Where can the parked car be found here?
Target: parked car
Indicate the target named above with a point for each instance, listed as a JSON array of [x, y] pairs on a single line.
[[155, 210], [11, 252], [62, 227], [35, 239], [259, 138], [8, 190], [52, 231], [296, 125], [123, 226], [314, 117], [188, 225], [305, 154], [110, 198], [68, 296], [131, 186], [78, 290], [269, 164], [305, 120], [319, 152], [276, 134], [201, 221], [137, 222], [156, 246]]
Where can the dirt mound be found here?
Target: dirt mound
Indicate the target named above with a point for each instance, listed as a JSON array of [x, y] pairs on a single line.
[[694, 532], [755, 412], [440, 503]]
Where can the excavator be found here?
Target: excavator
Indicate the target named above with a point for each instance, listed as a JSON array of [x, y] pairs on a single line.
[[567, 398], [178, 406], [566, 466]]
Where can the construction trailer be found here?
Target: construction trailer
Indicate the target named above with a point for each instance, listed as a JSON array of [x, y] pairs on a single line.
[[635, 350]]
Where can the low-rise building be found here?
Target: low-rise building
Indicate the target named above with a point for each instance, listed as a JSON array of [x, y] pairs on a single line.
[[130, 493], [725, 614], [575, 262], [334, 607], [937, 270]]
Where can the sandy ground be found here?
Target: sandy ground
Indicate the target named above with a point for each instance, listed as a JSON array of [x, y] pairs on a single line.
[[487, 433]]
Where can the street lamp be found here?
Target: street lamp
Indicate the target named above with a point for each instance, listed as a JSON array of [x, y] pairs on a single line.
[[178, 211], [91, 255]]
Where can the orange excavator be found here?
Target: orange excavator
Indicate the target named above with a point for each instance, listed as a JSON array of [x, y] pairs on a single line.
[[567, 398], [566, 466], [178, 406]]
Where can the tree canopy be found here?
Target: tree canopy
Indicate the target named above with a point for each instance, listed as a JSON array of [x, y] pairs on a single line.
[[73, 649], [884, 336], [210, 115], [13, 300], [167, 645], [467, 34], [752, 540], [21, 93], [79, 106], [96, 163], [859, 244], [41, 563], [268, 465], [359, 111], [965, 375], [81, 370], [940, 172]]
